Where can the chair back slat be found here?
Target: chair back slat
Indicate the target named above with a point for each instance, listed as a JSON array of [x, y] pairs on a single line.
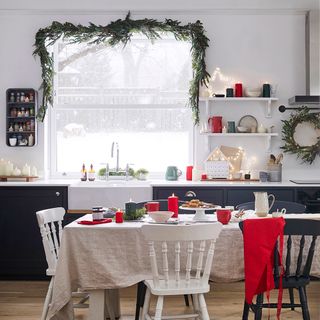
[[56, 244], [207, 268], [51, 236], [182, 237], [200, 259], [165, 261], [307, 267], [300, 256], [177, 262], [189, 261], [288, 258], [154, 265]]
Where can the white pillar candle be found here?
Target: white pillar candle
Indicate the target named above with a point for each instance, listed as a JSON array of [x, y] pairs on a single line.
[[26, 170], [9, 168], [2, 167], [34, 171]]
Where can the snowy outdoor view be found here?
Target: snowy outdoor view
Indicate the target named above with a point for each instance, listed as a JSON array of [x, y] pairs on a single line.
[[135, 96]]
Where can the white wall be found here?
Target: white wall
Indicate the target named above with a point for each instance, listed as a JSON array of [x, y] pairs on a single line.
[[252, 48]]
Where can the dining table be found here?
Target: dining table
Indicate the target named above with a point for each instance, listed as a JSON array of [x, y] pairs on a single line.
[[105, 257]]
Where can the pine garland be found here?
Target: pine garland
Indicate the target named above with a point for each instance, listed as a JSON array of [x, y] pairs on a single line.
[[306, 153], [121, 31]]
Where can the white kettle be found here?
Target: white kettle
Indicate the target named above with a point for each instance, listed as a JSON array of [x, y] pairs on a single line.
[[261, 204]]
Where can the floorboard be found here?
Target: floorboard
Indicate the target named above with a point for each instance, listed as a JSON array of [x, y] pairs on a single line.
[[22, 300]]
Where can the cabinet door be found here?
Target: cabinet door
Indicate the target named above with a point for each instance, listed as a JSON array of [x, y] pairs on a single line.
[[235, 196], [310, 197], [208, 194], [21, 251]]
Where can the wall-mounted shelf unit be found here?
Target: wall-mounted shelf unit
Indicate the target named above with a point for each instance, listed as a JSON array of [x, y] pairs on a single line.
[[21, 126], [267, 102]]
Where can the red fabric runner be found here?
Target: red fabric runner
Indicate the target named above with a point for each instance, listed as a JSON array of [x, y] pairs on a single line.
[[93, 222], [260, 236]]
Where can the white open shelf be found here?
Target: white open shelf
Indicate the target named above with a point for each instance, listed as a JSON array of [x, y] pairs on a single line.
[[268, 102], [240, 134]]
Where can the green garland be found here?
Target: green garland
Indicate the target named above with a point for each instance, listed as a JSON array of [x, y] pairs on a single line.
[[306, 153], [120, 31]]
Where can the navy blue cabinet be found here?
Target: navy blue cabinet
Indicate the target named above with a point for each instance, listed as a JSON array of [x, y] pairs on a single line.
[[21, 250]]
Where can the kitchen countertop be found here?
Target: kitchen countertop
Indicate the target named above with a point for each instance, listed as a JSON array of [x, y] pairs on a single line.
[[75, 183]]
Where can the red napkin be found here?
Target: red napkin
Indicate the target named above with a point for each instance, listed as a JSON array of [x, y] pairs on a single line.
[[259, 237], [90, 222]]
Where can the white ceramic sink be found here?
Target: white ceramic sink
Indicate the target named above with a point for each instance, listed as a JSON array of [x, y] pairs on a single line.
[[112, 193]]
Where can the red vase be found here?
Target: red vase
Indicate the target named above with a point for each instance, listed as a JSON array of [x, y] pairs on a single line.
[[216, 124]]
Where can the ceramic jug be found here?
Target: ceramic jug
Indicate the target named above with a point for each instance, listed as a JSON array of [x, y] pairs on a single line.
[[173, 173], [261, 203]]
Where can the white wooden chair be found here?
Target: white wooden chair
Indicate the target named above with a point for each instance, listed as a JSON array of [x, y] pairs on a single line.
[[189, 280], [50, 224]]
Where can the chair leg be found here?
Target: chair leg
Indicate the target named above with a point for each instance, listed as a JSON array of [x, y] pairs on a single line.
[[47, 301], [203, 307], [186, 300], [258, 309], [304, 303], [195, 301], [159, 308], [291, 295], [146, 304], [245, 312], [141, 291]]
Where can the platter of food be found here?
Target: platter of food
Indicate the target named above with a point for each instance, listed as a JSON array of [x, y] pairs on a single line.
[[196, 203], [200, 208]]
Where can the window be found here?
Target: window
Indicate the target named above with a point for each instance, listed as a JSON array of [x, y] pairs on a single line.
[[134, 95]]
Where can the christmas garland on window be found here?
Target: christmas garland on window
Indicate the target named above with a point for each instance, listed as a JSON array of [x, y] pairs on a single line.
[[120, 31], [306, 153]]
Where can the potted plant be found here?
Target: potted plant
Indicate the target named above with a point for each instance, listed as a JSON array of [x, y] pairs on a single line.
[[141, 174]]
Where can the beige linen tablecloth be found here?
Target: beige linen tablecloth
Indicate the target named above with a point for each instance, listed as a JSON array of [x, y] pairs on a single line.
[[110, 256]]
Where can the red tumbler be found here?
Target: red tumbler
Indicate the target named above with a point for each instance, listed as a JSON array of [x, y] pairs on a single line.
[[238, 90], [189, 173]]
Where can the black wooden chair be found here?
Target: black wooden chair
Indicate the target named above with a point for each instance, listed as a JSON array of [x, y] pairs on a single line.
[[291, 207], [306, 228], [141, 291]]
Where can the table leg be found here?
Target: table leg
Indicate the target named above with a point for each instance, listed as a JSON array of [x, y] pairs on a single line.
[[104, 304]]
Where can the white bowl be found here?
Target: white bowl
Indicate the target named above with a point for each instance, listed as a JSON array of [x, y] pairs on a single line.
[[160, 216], [242, 129], [253, 92]]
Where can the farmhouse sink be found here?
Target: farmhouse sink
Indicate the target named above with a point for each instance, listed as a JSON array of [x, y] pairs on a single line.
[[111, 193]]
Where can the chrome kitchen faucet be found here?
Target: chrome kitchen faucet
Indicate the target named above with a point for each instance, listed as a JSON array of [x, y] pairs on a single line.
[[112, 153]]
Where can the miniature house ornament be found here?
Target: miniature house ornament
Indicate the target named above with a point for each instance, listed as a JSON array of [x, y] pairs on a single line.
[[217, 165]]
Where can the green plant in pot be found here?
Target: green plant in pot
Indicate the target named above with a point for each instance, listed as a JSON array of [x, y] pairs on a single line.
[[141, 174], [112, 172]]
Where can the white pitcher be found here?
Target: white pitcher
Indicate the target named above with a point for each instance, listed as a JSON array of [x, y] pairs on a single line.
[[261, 204]]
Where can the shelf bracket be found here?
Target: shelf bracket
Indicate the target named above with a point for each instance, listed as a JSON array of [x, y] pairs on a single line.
[[268, 109]]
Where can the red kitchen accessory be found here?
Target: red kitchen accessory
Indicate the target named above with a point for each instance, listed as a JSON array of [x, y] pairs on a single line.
[[238, 90], [215, 123]]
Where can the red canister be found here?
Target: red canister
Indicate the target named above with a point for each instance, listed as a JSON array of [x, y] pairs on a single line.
[[216, 124], [189, 173], [238, 90]]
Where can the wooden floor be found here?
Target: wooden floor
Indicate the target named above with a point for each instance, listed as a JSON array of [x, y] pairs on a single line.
[[22, 300]]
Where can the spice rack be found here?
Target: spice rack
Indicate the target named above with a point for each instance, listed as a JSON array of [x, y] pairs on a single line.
[[21, 126]]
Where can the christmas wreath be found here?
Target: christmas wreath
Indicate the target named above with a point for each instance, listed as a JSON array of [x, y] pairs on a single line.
[[121, 31], [306, 153]]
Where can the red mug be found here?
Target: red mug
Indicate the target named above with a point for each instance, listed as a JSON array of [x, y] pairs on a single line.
[[224, 215], [152, 206], [216, 124]]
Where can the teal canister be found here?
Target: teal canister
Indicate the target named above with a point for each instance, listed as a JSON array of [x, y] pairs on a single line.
[[173, 173]]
